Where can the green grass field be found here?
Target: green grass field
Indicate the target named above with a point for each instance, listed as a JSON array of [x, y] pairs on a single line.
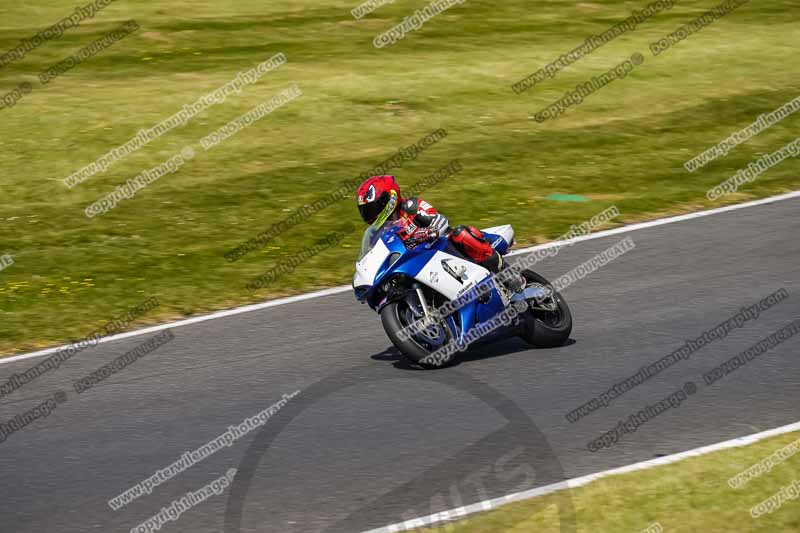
[[685, 497], [625, 145]]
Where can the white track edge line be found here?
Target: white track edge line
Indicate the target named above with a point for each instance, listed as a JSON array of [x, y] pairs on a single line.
[[659, 222], [487, 505], [345, 288], [193, 320]]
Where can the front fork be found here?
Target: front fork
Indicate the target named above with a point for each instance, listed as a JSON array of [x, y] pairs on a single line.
[[422, 308], [422, 301]]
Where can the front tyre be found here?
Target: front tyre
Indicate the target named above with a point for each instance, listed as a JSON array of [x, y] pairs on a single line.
[[548, 321], [397, 316]]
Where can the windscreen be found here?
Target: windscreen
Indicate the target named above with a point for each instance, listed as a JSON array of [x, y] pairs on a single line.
[[372, 235], [367, 241]]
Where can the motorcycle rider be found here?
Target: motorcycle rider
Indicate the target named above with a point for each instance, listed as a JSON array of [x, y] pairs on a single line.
[[380, 201]]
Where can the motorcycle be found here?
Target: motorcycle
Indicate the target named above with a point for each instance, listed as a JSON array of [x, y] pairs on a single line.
[[432, 298]]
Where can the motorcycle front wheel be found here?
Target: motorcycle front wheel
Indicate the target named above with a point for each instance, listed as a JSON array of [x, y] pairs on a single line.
[[418, 346]]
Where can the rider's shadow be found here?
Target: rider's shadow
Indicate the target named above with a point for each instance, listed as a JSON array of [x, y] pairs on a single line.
[[474, 353]]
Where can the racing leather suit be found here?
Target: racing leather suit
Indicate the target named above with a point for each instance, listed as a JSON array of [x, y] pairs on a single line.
[[421, 223]]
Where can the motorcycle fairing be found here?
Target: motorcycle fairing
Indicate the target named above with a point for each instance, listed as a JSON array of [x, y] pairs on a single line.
[[431, 265]]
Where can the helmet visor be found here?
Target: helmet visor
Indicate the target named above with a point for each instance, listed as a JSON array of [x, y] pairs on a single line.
[[377, 212], [369, 212]]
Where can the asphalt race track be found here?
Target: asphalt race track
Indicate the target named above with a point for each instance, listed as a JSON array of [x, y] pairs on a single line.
[[368, 441]]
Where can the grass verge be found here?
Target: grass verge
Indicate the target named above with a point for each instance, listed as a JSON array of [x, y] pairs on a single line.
[[625, 145], [685, 497]]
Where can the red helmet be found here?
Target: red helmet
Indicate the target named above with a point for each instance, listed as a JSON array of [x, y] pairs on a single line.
[[378, 198]]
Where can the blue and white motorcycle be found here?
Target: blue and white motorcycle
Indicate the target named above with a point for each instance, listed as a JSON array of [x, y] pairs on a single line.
[[453, 298]]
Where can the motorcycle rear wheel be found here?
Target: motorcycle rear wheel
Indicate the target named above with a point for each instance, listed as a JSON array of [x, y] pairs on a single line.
[[546, 328]]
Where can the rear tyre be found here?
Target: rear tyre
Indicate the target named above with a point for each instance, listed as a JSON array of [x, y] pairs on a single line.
[[548, 321], [398, 315]]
